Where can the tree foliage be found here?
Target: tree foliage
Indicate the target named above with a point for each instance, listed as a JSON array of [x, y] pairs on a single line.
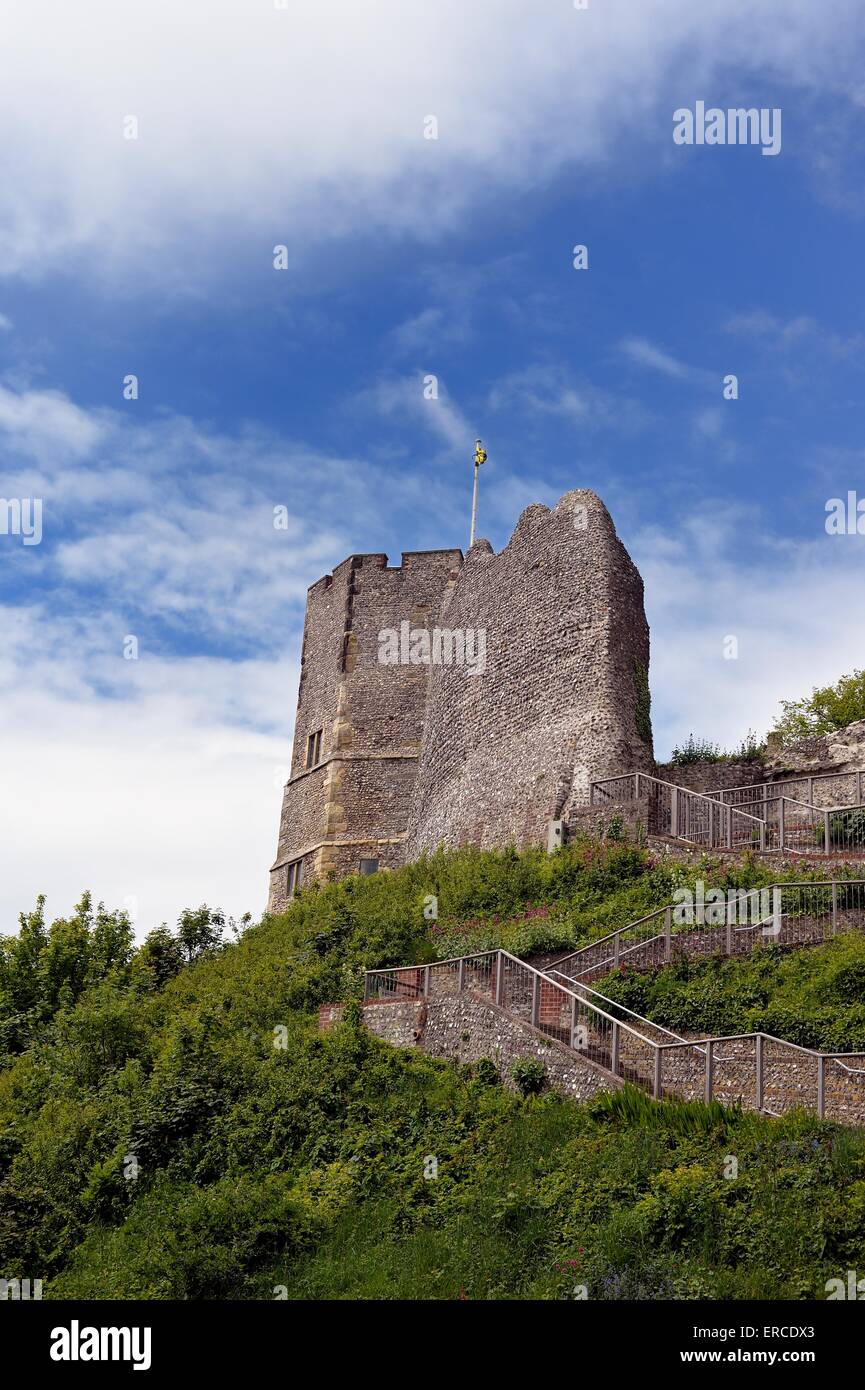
[[824, 710]]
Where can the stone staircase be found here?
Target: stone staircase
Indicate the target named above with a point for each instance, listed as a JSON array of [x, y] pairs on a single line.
[[605, 1044]]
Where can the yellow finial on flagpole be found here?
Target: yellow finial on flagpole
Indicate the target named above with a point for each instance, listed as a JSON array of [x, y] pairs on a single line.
[[480, 457]]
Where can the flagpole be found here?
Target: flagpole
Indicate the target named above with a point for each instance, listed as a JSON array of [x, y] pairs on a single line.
[[480, 457]]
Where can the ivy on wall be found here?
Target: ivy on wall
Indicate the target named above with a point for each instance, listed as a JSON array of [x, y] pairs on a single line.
[[643, 706]]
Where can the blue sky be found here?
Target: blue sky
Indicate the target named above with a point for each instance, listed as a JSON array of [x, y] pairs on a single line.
[[156, 782]]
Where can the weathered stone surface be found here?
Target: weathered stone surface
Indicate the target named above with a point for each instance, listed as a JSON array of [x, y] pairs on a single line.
[[354, 804], [567, 652], [704, 776], [841, 751], [414, 754], [465, 1028]]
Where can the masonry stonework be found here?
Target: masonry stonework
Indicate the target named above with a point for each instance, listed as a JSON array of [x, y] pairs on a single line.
[[567, 658], [354, 803], [464, 1028], [451, 750]]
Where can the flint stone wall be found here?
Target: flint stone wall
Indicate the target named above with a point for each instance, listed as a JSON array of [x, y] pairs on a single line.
[[567, 649], [709, 776], [464, 1028]]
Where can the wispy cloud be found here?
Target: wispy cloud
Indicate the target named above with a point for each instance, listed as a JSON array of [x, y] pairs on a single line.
[[772, 594], [276, 163], [799, 331], [646, 354], [551, 390]]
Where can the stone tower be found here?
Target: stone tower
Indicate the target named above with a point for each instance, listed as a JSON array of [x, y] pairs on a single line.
[[531, 680], [359, 723], [564, 697]]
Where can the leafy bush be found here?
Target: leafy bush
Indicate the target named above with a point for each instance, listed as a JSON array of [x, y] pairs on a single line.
[[528, 1075], [696, 750], [702, 750]]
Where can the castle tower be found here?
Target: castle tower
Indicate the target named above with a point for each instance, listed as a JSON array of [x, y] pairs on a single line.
[[563, 698], [359, 722], [532, 681]]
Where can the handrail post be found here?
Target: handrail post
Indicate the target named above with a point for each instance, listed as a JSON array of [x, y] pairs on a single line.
[[729, 827], [614, 1058], [573, 1018], [834, 906], [781, 821], [668, 934], [536, 1000], [658, 1087], [825, 832], [426, 981], [616, 951], [500, 977], [636, 786], [674, 813], [709, 1070], [462, 974], [728, 935], [859, 787], [821, 1086], [759, 1051]]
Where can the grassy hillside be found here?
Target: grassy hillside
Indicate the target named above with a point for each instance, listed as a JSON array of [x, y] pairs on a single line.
[[172, 1124]]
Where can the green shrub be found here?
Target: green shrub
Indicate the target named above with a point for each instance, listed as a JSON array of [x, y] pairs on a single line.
[[528, 1075]]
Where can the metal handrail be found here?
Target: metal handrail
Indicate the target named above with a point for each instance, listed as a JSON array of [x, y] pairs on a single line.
[[616, 1065], [542, 974], [448, 960], [633, 1014], [716, 795], [599, 940], [811, 777], [669, 907], [705, 1046], [701, 796]]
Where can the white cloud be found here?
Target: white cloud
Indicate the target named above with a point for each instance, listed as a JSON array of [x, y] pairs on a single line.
[[403, 398], [45, 425], [299, 124], [646, 354], [724, 573], [786, 334], [549, 389], [165, 791]]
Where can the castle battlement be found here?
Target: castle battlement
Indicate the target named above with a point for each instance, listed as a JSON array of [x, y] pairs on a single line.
[[404, 739]]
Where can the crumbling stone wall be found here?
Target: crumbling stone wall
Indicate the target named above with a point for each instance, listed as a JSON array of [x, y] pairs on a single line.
[[841, 751], [561, 700], [355, 803]]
